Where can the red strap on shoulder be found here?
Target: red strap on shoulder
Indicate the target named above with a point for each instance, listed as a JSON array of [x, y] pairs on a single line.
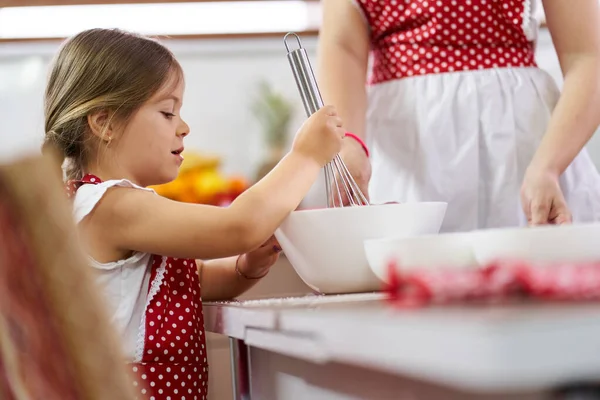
[[72, 185]]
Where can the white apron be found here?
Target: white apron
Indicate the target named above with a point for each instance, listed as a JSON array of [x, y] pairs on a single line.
[[467, 138]]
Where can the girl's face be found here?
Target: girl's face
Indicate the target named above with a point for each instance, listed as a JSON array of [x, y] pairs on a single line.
[[148, 151]]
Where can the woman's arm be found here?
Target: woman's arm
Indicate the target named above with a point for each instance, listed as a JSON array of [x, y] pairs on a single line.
[[575, 30], [342, 62], [343, 55]]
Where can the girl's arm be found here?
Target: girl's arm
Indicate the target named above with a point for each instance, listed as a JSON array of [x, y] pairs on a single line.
[[132, 219], [575, 30], [343, 55], [220, 280]]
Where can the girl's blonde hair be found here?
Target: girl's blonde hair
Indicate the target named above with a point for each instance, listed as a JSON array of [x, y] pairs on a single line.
[[100, 70]]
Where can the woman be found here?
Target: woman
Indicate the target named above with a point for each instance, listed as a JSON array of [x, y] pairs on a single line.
[[456, 109]]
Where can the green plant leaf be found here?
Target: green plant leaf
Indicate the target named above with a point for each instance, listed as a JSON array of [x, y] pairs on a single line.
[[274, 112]]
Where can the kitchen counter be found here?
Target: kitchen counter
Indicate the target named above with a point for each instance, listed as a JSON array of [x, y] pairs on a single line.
[[357, 346]]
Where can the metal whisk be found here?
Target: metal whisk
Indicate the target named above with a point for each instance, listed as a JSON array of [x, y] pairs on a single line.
[[338, 180]]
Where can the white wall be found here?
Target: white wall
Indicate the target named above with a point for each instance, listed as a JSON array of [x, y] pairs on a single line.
[[220, 74]]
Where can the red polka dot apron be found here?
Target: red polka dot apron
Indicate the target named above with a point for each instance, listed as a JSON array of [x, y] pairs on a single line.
[[418, 37], [171, 359]]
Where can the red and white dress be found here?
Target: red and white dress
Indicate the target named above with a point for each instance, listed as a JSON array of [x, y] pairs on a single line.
[[457, 107], [155, 305]]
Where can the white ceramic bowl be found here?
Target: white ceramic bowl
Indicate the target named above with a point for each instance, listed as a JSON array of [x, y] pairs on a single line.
[[551, 243], [448, 250], [325, 246]]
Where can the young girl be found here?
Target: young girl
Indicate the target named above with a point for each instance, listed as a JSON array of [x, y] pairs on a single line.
[[112, 107]]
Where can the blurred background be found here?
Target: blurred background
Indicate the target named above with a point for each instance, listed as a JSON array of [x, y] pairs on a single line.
[[241, 100]]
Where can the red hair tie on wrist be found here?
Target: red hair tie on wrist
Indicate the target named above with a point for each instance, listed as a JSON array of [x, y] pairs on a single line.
[[359, 140]]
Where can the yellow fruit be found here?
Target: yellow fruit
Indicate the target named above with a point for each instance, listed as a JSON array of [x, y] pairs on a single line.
[[174, 189], [237, 185], [207, 185], [188, 197], [195, 161]]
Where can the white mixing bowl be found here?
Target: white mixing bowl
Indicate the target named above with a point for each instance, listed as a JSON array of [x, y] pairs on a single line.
[[325, 246], [448, 250]]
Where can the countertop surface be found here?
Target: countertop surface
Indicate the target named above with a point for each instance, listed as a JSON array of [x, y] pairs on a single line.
[[477, 347]]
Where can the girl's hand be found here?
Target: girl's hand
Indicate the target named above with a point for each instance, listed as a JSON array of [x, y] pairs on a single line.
[[542, 199], [256, 264], [320, 137]]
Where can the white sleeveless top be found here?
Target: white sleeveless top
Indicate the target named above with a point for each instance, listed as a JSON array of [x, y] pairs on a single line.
[[124, 283]]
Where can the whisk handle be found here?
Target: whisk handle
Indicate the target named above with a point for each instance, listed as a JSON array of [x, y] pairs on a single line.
[[305, 77]]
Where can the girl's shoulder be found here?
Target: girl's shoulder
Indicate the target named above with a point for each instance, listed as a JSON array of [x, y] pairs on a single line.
[[88, 193]]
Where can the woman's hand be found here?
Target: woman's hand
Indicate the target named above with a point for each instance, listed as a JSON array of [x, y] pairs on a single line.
[[358, 165], [575, 30], [542, 199], [257, 263]]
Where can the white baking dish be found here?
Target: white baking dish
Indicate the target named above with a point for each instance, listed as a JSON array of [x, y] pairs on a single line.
[[448, 250], [550, 243]]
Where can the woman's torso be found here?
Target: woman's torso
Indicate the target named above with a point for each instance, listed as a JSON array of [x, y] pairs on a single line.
[[457, 108], [418, 37]]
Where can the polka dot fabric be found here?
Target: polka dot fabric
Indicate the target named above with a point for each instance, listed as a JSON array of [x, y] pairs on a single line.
[[72, 186], [174, 364], [172, 344], [419, 37]]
